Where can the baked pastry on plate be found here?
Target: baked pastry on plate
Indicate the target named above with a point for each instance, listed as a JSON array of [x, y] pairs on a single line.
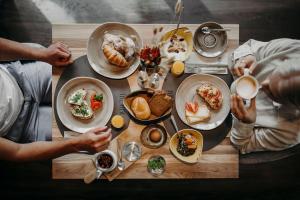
[[118, 50]]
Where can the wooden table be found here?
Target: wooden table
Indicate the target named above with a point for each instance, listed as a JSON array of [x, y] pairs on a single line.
[[219, 162]]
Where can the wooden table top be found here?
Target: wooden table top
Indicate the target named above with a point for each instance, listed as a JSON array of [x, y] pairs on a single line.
[[219, 162]]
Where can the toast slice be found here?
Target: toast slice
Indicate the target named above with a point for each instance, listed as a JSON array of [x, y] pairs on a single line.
[[159, 103], [201, 115], [77, 97], [83, 111]]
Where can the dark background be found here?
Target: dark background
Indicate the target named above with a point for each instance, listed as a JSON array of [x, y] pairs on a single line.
[[30, 21]]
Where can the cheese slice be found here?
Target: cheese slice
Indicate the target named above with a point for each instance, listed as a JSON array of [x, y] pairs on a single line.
[[201, 115]]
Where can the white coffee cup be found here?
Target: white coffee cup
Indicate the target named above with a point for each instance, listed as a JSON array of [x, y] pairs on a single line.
[[99, 170], [247, 86]]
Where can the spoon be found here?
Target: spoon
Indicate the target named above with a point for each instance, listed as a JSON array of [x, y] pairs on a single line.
[[174, 123], [121, 164], [207, 30]]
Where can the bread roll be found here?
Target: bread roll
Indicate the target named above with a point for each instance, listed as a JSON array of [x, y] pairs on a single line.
[[140, 108], [114, 57]]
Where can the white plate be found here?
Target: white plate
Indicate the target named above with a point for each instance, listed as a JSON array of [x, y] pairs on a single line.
[[100, 118], [95, 54], [187, 90]]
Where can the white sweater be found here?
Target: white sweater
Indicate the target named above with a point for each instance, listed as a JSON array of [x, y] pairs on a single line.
[[276, 127]]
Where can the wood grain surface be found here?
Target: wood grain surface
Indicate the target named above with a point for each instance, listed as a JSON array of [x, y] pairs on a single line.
[[220, 162]]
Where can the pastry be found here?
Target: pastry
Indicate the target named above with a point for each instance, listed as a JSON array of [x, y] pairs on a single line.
[[195, 114], [114, 57], [212, 95], [159, 103], [118, 50], [140, 108]]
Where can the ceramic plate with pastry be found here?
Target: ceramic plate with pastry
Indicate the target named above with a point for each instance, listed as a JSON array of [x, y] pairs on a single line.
[[84, 103], [148, 106], [112, 50], [203, 101]]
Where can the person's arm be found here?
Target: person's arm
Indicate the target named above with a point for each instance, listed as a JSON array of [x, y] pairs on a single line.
[[252, 52], [93, 141], [57, 54], [248, 138]]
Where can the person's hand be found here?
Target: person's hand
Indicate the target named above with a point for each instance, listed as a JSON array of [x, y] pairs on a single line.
[[57, 54], [242, 63], [246, 115], [94, 140]]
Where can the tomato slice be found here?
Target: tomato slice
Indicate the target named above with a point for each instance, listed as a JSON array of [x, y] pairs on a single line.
[[192, 107]]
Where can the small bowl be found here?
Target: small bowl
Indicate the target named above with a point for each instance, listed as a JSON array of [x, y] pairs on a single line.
[[145, 139], [194, 158], [212, 44], [156, 172], [147, 94], [183, 32]]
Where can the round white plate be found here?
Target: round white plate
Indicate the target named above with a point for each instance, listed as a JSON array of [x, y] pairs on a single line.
[[95, 54], [187, 91], [100, 118]]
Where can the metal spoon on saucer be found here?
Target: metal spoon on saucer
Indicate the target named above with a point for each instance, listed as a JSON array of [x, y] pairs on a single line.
[[207, 30]]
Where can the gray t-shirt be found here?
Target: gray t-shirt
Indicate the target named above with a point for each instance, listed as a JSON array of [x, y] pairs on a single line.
[[11, 100]]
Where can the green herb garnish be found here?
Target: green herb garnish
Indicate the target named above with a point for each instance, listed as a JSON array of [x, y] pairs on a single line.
[[99, 97], [157, 163], [76, 97], [84, 111]]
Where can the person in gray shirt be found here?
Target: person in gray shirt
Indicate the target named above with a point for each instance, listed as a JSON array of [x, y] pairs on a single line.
[[272, 121], [25, 104]]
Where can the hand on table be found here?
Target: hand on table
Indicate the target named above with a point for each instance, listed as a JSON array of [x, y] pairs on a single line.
[[57, 54], [242, 63], [94, 140], [246, 115]]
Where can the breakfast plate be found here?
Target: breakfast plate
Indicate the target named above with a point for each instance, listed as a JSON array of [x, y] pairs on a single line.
[[103, 59], [208, 114], [84, 103]]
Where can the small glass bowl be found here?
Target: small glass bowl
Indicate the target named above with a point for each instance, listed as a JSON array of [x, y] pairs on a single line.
[[159, 171]]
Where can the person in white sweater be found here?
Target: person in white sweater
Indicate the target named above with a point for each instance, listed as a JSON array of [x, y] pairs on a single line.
[[272, 121]]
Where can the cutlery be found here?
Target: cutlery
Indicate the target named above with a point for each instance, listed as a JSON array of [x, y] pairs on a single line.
[[206, 68], [207, 30], [174, 123]]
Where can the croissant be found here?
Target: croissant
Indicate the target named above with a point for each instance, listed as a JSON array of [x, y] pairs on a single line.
[[114, 57]]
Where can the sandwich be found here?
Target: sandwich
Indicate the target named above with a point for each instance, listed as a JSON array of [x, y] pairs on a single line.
[[195, 113]]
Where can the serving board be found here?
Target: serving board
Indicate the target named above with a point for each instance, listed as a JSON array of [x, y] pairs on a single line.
[[218, 162]]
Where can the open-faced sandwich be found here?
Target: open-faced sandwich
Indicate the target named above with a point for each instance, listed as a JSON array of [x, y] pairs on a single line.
[[196, 113], [145, 105], [211, 94], [84, 103], [118, 50]]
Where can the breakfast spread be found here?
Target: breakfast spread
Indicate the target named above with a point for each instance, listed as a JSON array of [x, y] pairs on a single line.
[[81, 108], [118, 50], [211, 94], [187, 144]]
